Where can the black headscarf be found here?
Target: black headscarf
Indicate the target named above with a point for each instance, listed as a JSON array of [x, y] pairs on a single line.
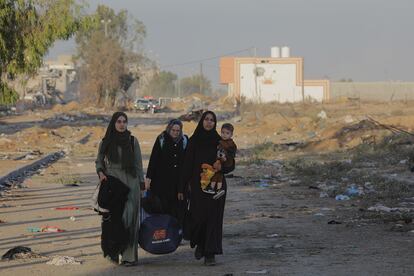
[[206, 137], [113, 139]]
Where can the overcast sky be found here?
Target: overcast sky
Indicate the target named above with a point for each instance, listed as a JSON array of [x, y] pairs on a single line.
[[366, 40]]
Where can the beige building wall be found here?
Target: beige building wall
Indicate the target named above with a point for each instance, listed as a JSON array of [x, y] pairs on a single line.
[[267, 79]]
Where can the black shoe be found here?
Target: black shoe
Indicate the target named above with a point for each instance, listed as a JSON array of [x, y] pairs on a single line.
[[210, 261], [126, 263], [219, 194], [198, 254]]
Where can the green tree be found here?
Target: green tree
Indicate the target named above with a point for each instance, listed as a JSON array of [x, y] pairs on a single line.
[[162, 85], [109, 54], [28, 29], [192, 84]]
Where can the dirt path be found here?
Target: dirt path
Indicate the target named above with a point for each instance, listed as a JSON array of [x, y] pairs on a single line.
[[273, 226], [304, 244]]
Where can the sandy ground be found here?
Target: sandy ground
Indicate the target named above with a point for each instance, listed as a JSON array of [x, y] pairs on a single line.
[[278, 229]]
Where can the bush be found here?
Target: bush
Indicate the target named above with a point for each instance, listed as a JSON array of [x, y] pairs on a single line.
[[7, 96]]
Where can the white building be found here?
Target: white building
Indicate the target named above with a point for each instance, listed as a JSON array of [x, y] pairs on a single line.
[[266, 79]]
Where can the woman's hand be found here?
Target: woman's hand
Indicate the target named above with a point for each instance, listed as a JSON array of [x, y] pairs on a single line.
[[217, 166], [102, 176], [147, 183], [180, 196]]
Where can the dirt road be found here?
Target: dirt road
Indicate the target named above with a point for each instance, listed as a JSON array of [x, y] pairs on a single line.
[[270, 229], [272, 226]]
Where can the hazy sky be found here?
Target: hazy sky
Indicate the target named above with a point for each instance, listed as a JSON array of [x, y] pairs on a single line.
[[366, 40]]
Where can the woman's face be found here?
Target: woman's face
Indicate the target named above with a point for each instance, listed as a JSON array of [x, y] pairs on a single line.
[[121, 124], [209, 122], [175, 131]]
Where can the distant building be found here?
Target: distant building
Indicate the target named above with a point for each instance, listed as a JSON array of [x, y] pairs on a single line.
[[63, 72], [266, 79]]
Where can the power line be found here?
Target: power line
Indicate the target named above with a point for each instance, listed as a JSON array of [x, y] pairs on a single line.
[[205, 59]]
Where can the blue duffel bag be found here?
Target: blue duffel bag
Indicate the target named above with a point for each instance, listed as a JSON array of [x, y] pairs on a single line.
[[160, 234]]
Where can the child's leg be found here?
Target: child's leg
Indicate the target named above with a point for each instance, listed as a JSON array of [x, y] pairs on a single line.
[[219, 180], [214, 180], [220, 192]]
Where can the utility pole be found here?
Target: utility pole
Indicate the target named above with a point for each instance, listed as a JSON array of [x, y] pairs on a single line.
[[201, 78], [255, 75], [303, 81]]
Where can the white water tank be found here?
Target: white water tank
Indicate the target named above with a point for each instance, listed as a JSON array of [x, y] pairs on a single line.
[[275, 52], [285, 52]]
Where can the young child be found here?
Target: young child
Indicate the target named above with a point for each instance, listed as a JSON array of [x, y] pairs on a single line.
[[226, 152]]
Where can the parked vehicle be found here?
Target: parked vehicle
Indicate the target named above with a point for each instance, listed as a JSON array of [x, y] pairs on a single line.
[[142, 105], [154, 106]]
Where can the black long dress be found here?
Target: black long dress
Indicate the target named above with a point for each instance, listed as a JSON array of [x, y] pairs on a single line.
[[164, 171], [206, 214]]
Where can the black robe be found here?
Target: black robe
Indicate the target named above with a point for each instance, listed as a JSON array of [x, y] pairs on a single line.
[[205, 214], [164, 170]]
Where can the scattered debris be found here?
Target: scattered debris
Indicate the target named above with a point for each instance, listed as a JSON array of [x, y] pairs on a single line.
[[64, 260], [313, 187], [71, 185], [323, 195], [342, 197], [55, 133], [67, 208], [263, 271], [85, 139], [348, 119], [20, 252], [29, 156], [276, 216], [353, 190], [382, 208], [45, 229], [322, 115]]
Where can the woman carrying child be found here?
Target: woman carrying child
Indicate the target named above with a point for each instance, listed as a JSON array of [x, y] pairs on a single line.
[[205, 212]]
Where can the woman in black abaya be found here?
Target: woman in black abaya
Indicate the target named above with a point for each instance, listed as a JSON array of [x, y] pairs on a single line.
[[206, 214], [164, 167]]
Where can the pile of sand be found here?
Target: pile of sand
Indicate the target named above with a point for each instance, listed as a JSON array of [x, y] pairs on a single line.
[[177, 106], [71, 106], [197, 97]]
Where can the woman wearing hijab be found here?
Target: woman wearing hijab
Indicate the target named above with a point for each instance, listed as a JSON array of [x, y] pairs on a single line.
[[205, 213], [119, 156], [164, 167]]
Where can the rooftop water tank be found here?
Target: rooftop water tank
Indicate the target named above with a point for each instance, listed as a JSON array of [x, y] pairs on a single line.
[[275, 52], [285, 52]]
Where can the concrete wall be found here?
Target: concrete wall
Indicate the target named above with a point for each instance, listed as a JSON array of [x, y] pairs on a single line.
[[278, 82], [373, 91]]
